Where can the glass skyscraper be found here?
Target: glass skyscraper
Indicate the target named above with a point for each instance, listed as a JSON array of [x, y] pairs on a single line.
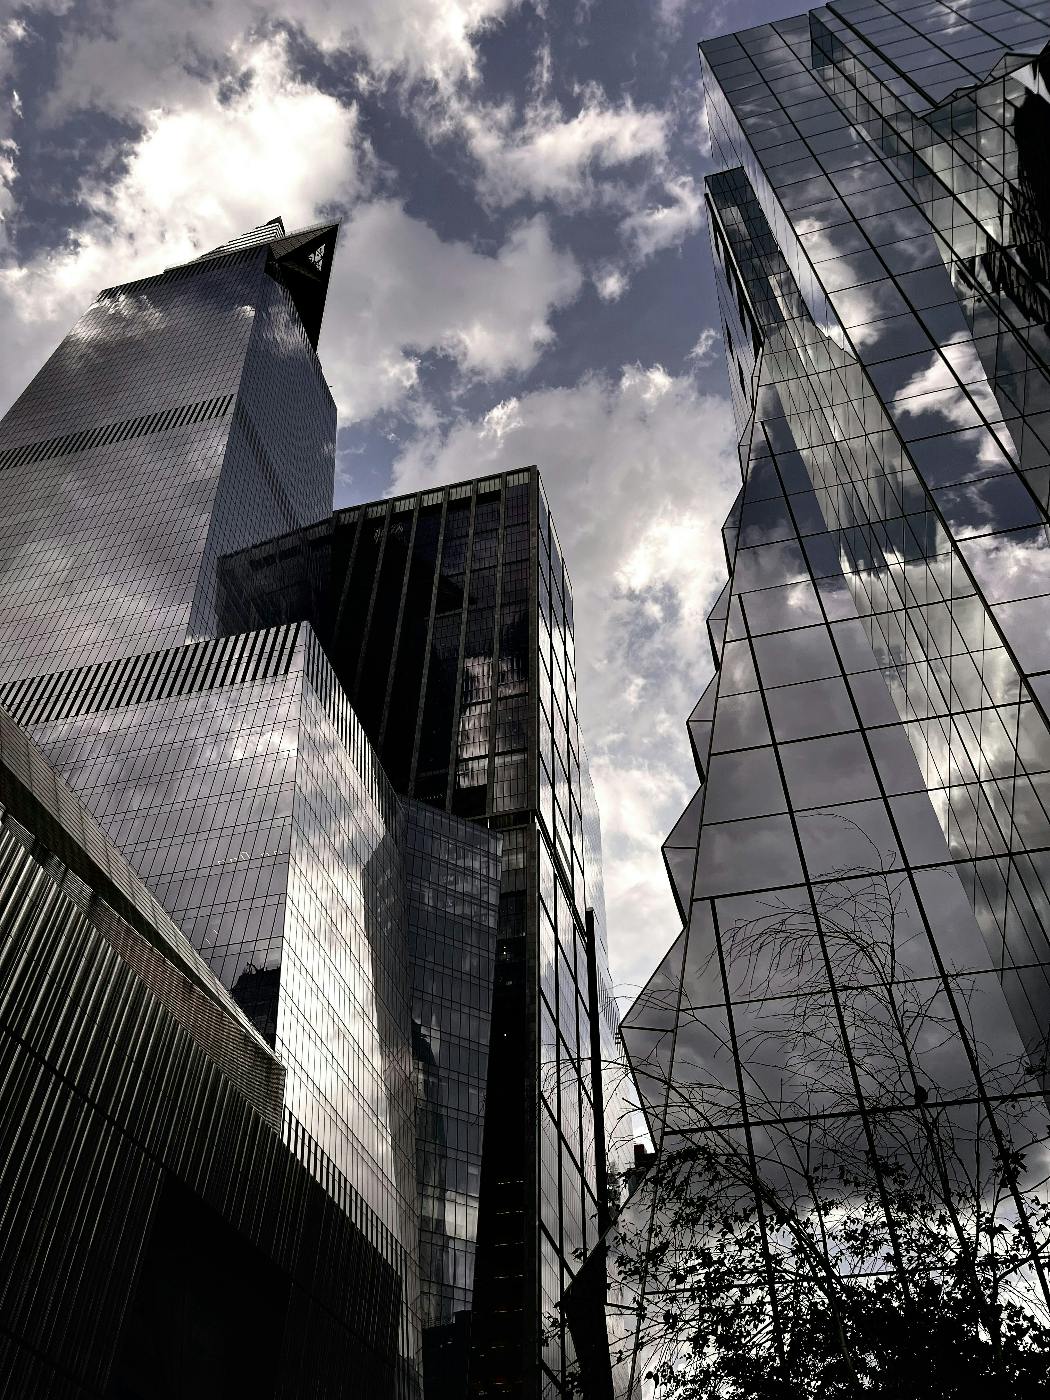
[[183, 416], [447, 617], [186, 415], [342, 753], [872, 825], [154, 1219]]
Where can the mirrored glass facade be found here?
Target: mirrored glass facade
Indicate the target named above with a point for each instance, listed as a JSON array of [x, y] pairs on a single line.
[[235, 778], [184, 416], [425, 951], [453, 882], [447, 616], [154, 1217], [872, 825]]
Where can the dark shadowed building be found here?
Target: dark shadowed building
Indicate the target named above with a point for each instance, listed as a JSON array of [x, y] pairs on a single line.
[[447, 617], [186, 415], [161, 1239]]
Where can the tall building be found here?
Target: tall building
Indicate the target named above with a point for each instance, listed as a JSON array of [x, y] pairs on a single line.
[[873, 749], [447, 617], [184, 416], [347, 764], [153, 1217]]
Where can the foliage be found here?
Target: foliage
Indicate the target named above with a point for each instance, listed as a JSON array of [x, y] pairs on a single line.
[[777, 1302]]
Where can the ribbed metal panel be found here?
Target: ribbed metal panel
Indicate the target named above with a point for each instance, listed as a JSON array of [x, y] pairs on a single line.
[[155, 676], [116, 432], [112, 1088]]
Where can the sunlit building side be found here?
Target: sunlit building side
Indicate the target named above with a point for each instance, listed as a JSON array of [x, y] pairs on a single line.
[[873, 750]]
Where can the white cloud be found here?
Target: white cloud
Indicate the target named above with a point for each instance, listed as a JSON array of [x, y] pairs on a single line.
[[640, 472], [422, 38], [610, 282], [566, 159], [198, 175], [398, 292], [11, 35], [607, 155], [651, 229], [705, 348], [114, 59]]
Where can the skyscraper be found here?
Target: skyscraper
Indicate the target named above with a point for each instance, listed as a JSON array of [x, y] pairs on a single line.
[[873, 749], [183, 416], [423, 953], [447, 617], [154, 1220], [186, 415]]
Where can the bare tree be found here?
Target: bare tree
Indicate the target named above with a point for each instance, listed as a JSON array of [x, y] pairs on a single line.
[[851, 1194]]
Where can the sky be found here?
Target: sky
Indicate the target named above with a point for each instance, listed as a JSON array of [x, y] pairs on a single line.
[[523, 276]]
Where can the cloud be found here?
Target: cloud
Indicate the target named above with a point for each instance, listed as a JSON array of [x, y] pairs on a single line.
[[607, 156], [11, 34], [705, 348], [640, 472], [399, 292], [568, 160], [610, 282], [198, 174], [114, 56], [651, 229], [432, 39]]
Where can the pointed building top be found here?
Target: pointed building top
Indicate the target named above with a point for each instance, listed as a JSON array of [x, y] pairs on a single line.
[[301, 261], [268, 232]]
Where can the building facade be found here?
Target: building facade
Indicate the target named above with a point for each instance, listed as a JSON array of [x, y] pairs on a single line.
[[873, 749], [184, 416], [154, 1216], [347, 764], [453, 885], [234, 777], [447, 617]]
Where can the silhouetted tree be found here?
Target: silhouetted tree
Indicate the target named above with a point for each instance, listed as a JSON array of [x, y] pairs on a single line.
[[879, 1221]]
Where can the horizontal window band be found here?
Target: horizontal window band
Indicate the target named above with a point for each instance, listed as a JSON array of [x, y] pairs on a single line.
[[159, 675], [127, 428]]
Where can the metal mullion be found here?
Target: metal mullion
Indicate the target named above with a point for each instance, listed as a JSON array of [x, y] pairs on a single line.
[[384, 525], [840, 1018], [428, 648], [946, 981], [490, 758], [468, 572], [402, 605]]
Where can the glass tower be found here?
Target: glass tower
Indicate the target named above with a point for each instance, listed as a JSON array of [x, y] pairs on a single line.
[[873, 816], [153, 1216], [186, 415], [447, 616]]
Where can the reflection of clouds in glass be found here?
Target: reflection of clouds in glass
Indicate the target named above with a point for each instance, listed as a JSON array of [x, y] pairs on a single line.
[[1026, 624], [980, 507], [1012, 565], [730, 854], [258, 815], [934, 391]]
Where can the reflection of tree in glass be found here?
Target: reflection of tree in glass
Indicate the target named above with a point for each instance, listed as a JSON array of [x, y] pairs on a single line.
[[878, 1221]]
